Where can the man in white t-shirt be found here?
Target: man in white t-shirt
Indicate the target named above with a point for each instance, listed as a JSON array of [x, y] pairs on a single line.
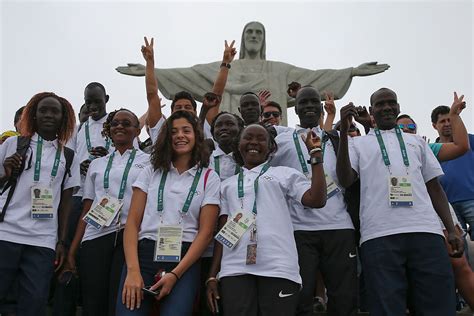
[[324, 237], [402, 245]]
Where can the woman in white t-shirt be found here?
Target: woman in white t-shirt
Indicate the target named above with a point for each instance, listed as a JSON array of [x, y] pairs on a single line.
[[262, 267], [108, 184], [171, 222]]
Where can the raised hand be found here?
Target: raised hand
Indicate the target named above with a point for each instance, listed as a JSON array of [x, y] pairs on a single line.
[[211, 100], [458, 104], [363, 116], [293, 88], [229, 52], [347, 113], [329, 105], [311, 140], [370, 68], [147, 51], [263, 97]]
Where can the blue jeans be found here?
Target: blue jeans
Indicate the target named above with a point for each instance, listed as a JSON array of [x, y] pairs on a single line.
[[181, 299], [465, 212], [418, 261], [31, 268]]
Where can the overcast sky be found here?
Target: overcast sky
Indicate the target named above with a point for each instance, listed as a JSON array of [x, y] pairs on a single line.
[[61, 46]]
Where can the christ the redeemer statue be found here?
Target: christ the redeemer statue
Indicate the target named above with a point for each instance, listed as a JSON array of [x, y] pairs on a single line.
[[252, 72]]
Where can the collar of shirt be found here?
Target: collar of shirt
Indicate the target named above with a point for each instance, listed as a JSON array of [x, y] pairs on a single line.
[[382, 131], [219, 152], [54, 143], [256, 169], [192, 171], [100, 121], [315, 129]]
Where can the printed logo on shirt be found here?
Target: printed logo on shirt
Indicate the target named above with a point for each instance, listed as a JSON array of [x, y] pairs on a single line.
[[268, 178], [139, 166]]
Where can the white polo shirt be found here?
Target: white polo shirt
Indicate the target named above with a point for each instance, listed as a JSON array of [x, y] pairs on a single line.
[[94, 186], [95, 133], [276, 248], [334, 214], [377, 217], [227, 164], [18, 226], [175, 192], [155, 130]]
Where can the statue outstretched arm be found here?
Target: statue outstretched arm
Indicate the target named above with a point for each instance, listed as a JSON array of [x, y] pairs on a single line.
[[137, 70], [368, 69], [221, 80], [151, 84]]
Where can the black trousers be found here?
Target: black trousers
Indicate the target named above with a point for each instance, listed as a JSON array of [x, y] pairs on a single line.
[[101, 262], [251, 295], [333, 252]]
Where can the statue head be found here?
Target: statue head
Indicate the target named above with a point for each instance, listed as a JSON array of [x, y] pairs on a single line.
[[253, 40]]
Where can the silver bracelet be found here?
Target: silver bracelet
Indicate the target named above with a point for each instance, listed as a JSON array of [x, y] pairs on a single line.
[[314, 150]]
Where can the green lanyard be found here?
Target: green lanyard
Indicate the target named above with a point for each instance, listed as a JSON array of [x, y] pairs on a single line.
[[124, 176], [190, 196], [384, 152], [88, 139], [39, 153], [303, 164], [217, 166], [240, 186], [324, 141]]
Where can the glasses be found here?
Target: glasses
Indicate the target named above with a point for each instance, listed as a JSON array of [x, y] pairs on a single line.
[[116, 123], [411, 126], [267, 115]]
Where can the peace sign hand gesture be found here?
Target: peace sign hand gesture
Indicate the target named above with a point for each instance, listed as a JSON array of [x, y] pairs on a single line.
[[458, 104], [329, 105], [229, 52], [147, 50]]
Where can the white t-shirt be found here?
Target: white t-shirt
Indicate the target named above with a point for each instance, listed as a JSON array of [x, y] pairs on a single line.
[[175, 192], [276, 248], [95, 133], [377, 217], [334, 214], [18, 226], [155, 130], [227, 164], [94, 186]]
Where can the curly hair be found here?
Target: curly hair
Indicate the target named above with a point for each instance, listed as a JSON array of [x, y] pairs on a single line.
[[110, 117], [163, 155], [28, 117], [272, 145]]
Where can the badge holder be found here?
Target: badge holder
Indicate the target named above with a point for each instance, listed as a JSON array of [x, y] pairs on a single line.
[[400, 191], [234, 229], [41, 202], [104, 212], [168, 243]]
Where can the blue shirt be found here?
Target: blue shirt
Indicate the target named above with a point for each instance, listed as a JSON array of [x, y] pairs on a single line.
[[458, 179]]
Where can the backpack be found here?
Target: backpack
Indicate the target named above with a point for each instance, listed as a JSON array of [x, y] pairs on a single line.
[[352, 193], [23, 143]]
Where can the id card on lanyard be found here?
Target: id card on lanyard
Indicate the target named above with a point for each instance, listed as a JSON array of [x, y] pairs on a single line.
[[170, 237], [41, 195], [231, 233], [399, 187], [104, 212]]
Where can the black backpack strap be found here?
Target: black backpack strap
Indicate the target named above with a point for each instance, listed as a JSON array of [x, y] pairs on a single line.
[[69, 156], [23, 143]]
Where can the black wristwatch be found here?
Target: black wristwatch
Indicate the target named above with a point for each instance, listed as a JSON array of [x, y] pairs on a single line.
[[315, 160], [225, 65]]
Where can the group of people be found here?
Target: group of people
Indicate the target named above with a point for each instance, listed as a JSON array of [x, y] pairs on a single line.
[[235, 215]]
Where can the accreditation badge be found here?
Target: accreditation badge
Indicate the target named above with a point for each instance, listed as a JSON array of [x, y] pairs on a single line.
[[235, 228], [41, 202], [400, 191], [104, 212], [332, 188], [168, 243]]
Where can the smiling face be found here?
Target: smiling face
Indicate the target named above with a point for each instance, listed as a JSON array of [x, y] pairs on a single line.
[[308, 106], [95, 100], [254, 145], [182, 137], [250, 108], [385, 108], [124, 128], [226, 129], [49, 115], [183, 105], [408, 125], [271, 114], [253, 37]]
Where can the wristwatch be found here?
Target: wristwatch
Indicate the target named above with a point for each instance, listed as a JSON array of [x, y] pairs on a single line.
[[225, 65], [315, 160]]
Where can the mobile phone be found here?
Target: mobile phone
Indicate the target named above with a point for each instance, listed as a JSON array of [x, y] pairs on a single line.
[[147, 291]]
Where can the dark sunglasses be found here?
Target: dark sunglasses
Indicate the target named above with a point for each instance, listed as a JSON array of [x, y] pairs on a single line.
[[124, 123], [267, 115], [411, 126]]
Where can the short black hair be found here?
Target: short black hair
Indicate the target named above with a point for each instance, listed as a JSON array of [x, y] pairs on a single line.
[[274, 104], [96, 85], [442, 109], [18, 114], [183, 95], [402, 116], [240, 121], [379, 90]]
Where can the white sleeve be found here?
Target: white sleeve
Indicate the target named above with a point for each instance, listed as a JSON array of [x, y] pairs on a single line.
[[7, 149], [212, 189], [73, 181], [207, 130], [155, 130], [354, 147], [143, 180], [224, 206], [296, 183]]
